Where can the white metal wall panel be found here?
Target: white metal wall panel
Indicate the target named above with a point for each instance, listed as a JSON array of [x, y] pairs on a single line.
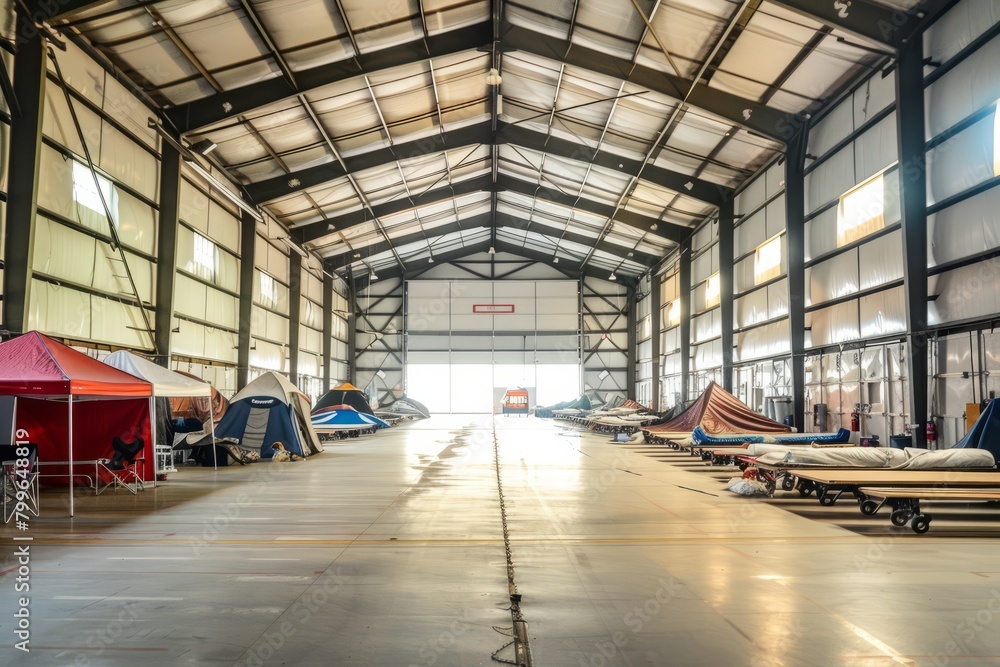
[[750, 233], [883, 313], [966, 228], [706, 356], [751, 196], [881, 261], [776, 218], [704, 327], [973, 85], [833, 128], [876, 149], [760, 342], [705, 236], [832, 178], [761, 305], [705, 264], [963, 161], [127, 162], [965, 293], [958, 27], [834, 278], [63, 311], [268, 356], [836, 324]]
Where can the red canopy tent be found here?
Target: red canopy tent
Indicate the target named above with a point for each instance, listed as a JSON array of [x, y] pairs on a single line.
[[37, 370]]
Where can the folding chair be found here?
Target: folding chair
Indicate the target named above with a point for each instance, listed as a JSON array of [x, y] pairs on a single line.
[[16, 480], [123, 470]]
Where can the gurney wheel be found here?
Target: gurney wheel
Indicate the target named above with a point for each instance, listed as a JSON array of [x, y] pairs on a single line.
[[900, 517], [869, 507], [787, 483], [827, 499], [805, 488], [921, 524]]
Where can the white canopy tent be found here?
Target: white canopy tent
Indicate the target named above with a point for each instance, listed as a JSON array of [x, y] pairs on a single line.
[[166, 383]]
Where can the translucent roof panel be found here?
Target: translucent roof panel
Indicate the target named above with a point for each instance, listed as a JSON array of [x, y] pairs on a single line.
[[344, 123]]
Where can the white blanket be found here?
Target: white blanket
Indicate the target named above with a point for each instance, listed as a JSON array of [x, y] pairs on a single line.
[[910, 458]]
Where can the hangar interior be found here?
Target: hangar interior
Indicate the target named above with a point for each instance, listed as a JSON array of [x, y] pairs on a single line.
[[444, 199]]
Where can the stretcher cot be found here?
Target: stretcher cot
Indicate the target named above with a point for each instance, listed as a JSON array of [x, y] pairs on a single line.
[[905, 501]]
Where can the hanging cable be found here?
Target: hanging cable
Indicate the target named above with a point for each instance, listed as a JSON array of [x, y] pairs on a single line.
[[115, 241]]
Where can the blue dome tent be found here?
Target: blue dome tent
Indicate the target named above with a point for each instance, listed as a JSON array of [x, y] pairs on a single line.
[[270, 409]]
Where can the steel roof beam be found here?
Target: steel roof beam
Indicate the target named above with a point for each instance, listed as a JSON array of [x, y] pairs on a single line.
[[876, 23], [280, 186], [201, 113], [659, 228], [754, 116], [313, 231]]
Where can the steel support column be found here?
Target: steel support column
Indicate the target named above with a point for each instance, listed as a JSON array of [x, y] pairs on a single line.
[[913, 206], [294, 314], [166, 250], [726, 289], [248, 243], [685, 326], [795, 238], [327, 329], [22, 186], [352, 326], [654, 325], [631, 345]]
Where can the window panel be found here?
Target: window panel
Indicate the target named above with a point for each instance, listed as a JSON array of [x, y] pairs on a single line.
[[861, 211]]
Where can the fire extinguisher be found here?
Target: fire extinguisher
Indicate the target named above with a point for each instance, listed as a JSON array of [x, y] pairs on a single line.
[[931, 432], [855, 421]]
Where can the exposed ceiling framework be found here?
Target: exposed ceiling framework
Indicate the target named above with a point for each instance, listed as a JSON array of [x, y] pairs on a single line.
[[387, 134]]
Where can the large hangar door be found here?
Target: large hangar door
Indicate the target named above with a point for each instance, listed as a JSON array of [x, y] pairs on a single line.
[[467, 341]]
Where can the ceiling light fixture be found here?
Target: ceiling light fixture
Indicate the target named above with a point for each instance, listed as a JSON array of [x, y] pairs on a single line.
[[492, 251], [204, 147], [224, 191], [373, 276], [555, 261], [294, 247], [612, 276], [493, 77]]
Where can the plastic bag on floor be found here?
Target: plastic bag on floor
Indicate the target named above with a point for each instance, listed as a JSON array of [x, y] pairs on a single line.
[[747, 487]]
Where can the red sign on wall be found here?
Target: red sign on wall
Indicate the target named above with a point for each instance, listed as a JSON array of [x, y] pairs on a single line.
[[493, 308]]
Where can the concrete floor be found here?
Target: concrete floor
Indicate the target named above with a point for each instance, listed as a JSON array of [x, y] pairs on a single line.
[[388, 551]]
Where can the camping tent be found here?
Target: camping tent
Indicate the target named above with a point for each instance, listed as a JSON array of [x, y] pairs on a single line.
[[345, 418], [270, 409], [199, 408], [166, 384], [345, 394], [718, 411], [37, 371]]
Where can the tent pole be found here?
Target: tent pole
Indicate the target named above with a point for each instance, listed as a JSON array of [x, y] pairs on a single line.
[[153, 431], [211, 420], [71, 455], [13, 423]]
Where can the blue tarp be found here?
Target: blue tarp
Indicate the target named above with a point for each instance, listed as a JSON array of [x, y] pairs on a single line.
[[699, 437], [985, 433], [346, 420]]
